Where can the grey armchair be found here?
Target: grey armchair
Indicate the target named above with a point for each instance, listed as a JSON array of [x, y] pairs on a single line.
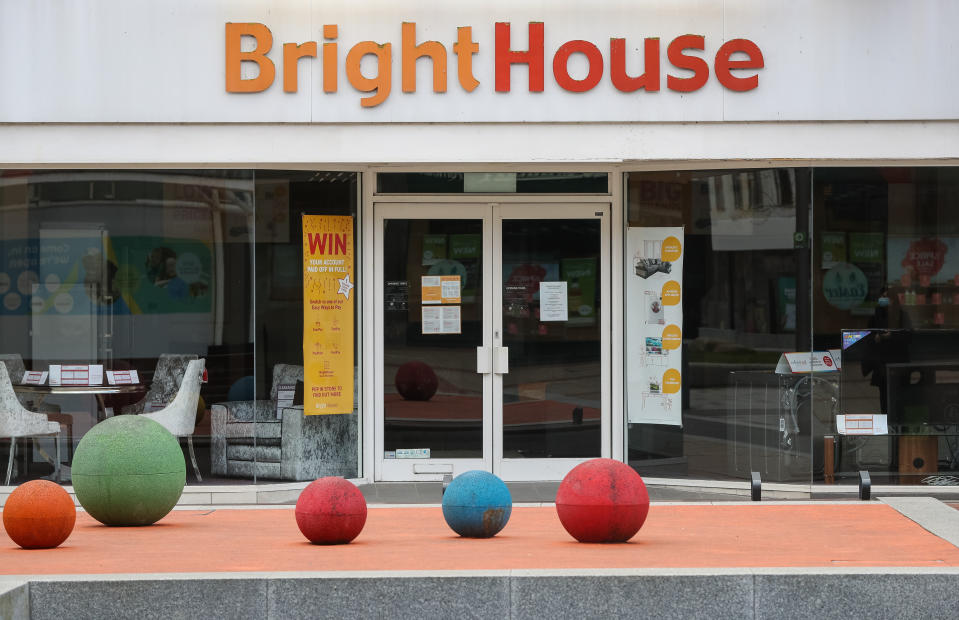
[[249, 440]]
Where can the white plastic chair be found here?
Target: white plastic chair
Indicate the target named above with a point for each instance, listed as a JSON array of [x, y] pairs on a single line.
[[16, 422], [179, 417]]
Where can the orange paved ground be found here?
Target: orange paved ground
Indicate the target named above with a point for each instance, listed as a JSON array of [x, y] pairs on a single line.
[[418, 539]]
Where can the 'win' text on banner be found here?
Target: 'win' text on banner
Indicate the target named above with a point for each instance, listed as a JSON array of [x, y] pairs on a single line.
[[328, 314]]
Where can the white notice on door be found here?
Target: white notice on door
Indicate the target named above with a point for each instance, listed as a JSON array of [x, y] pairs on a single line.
[[432, 319], [451, 320], [441, 319], [553, 304]]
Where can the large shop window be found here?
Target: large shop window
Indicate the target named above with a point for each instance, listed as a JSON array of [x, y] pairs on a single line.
[[717, 286], [886, 292], [118, 279], [819, 319]]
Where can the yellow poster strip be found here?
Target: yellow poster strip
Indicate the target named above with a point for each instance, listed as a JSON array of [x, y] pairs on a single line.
[[328, 314]]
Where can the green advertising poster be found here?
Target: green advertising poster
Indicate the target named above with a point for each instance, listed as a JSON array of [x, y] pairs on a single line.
[[867, 248], [580, 277], [833, 248], [434, 249], [786, 303], [465, 246], [467, 249]]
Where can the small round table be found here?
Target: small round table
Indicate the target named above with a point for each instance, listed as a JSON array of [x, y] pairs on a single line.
[[99, 391]]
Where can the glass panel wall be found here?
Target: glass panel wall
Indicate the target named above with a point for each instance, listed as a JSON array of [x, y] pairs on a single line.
[[819, 313], [886, 292], [288, 445], [717, 289], [145, 270]]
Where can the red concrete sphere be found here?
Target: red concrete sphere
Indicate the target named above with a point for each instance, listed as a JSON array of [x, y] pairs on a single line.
[[39, 515], [602, 501], [331, 511], [416, 381]]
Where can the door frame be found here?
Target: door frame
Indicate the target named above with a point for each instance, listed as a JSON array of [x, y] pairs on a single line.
[[425, 469], [547, 468], [492, 212]]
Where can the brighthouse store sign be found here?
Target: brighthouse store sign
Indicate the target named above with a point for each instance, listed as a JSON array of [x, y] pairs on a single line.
[[476, 61], [734, 66]]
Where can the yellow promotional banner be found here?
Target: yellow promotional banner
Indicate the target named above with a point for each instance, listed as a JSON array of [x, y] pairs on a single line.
[[328, 292]]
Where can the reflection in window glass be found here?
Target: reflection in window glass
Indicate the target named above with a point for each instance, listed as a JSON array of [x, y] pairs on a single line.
[[146, 270], [131, 270], [492, 182], [743, 292], [289, 445], [886, 291]]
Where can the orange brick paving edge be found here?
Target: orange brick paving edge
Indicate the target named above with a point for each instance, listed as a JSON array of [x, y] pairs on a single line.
[[417, 538]]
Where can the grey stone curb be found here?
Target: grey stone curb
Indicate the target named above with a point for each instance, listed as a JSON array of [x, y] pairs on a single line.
[[628, 593], [14, 599]]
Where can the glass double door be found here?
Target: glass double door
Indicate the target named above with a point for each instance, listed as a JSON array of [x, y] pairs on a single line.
[[492, 339]]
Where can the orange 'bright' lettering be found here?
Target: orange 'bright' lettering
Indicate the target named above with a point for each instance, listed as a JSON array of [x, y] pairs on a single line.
[[411, 52], [235, 58], [379, 84]]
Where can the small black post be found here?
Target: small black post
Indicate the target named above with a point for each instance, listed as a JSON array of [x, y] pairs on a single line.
[[864, 484], [447, 479], [757, 487]]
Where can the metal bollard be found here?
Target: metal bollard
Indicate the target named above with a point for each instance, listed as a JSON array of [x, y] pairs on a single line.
[[757, 487], [864, 485]]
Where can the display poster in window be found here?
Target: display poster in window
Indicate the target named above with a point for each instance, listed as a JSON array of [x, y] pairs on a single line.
[[654, 319], [440, 289], [328, 314], [833, 248], [580, 274], [272, 211], [441, 320], [434, 249], [84, 272], [466, 252]]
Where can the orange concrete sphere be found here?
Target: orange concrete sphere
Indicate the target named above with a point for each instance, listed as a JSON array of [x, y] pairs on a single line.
[[39, 515]]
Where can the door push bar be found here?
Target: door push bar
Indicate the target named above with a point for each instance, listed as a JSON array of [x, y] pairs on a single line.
[[496, 361]]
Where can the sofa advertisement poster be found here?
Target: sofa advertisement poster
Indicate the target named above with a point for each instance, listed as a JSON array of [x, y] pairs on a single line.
[[328, 319], [654, 320]]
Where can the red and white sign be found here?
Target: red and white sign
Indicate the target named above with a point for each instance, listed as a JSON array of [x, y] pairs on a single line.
[[862, 424], [122, 377], [926, 257], [34, 377], [76, 374], [806, 362]]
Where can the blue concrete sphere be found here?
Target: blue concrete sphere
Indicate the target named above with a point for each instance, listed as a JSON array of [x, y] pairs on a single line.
[[477, 504]]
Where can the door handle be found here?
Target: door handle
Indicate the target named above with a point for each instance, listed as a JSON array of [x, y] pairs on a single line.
[[484, 363], [501, 360]]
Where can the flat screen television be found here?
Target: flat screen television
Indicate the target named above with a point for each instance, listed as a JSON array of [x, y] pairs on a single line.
[[911, 375]]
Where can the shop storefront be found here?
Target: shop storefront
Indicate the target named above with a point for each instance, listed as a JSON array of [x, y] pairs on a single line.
[[573, 231]]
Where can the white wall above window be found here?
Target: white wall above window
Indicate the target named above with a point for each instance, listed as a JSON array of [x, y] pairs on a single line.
[[109, 61]]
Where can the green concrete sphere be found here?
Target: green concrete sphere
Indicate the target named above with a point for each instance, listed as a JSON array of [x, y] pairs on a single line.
[[128, 470]]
